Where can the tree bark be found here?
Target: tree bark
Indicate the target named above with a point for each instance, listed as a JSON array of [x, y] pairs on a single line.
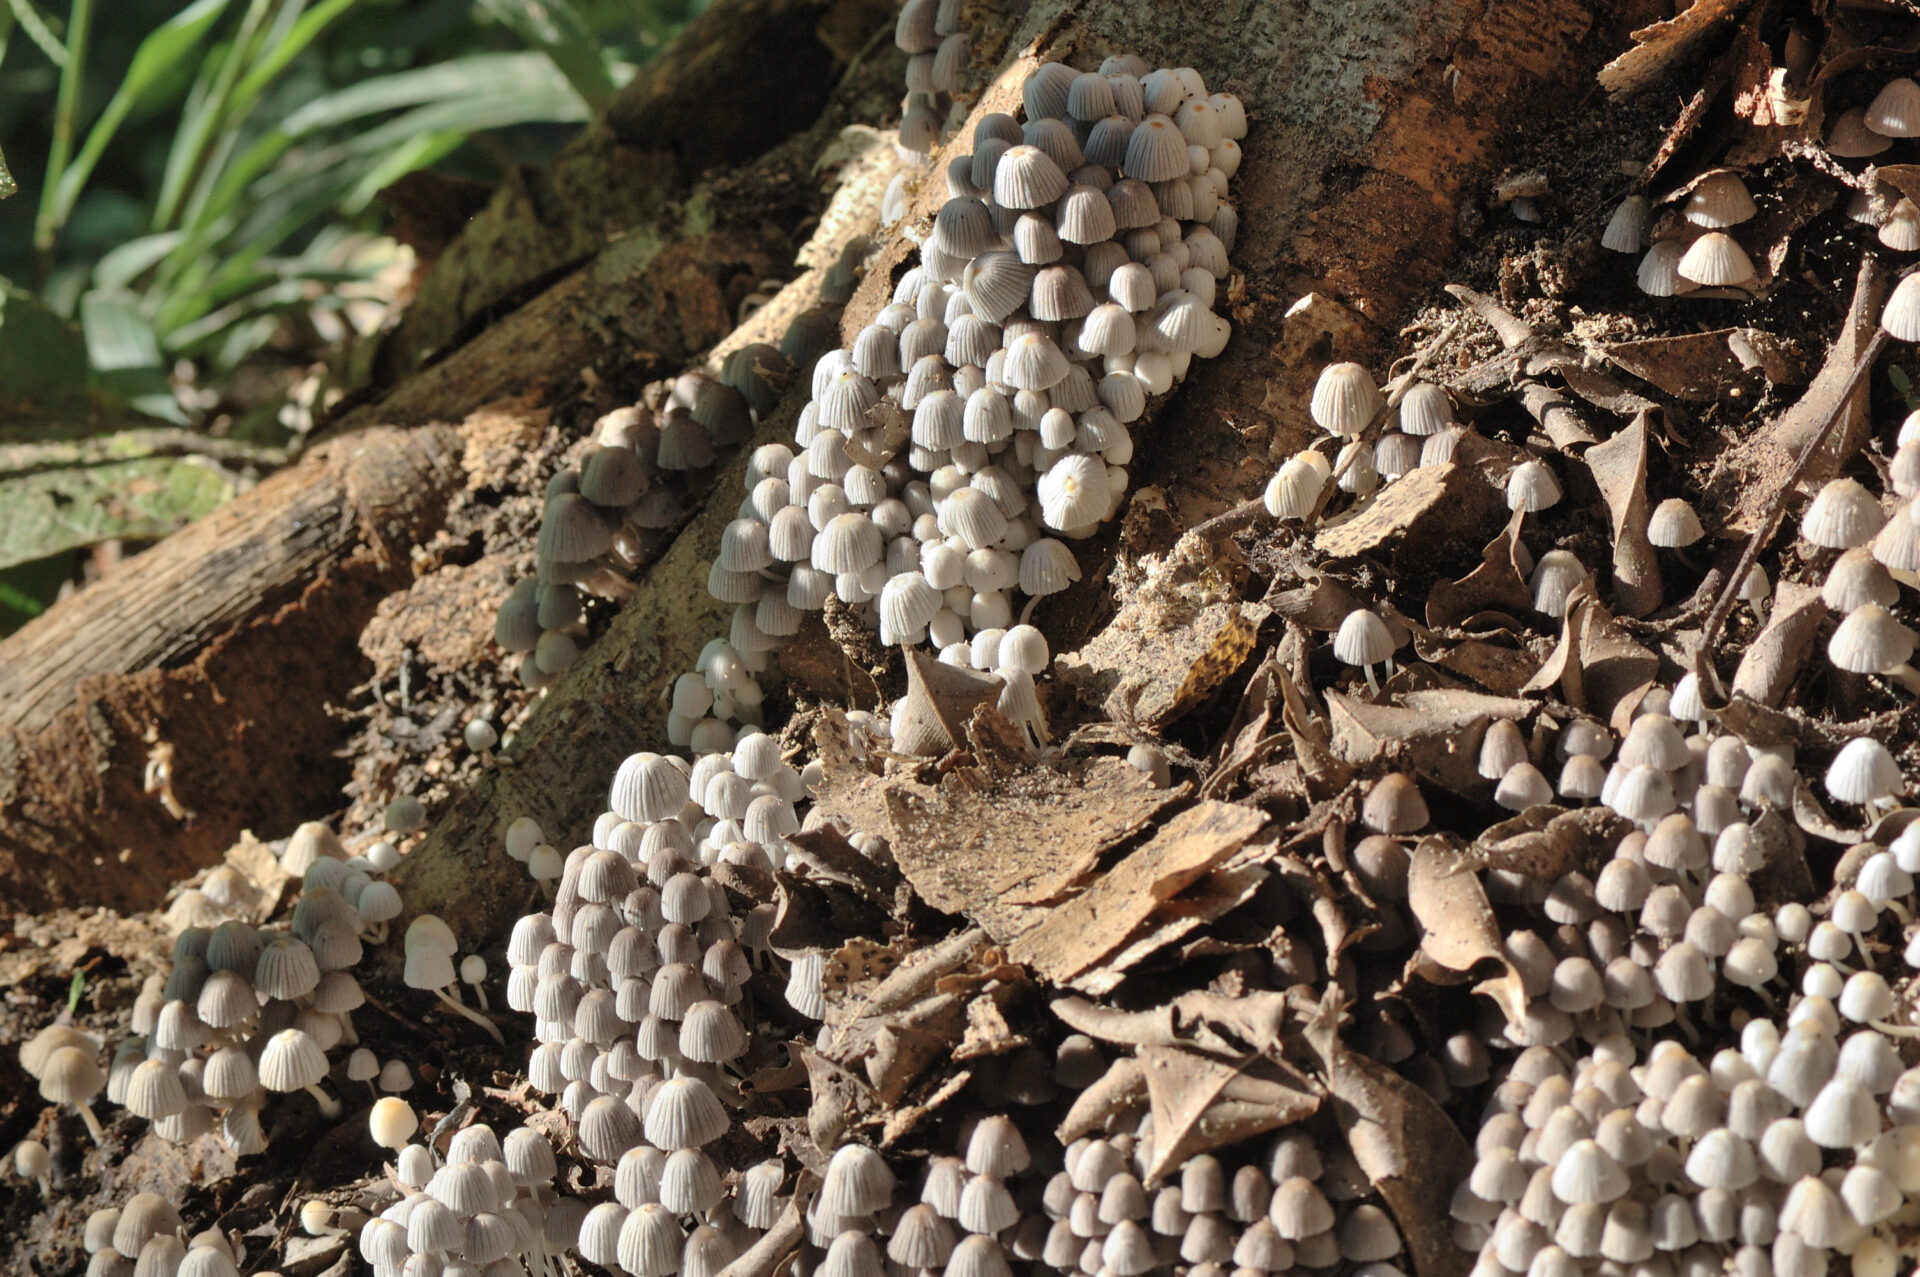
[[1373, 128]]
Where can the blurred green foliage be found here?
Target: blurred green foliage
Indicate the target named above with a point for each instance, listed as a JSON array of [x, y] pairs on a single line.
[[196, 183]]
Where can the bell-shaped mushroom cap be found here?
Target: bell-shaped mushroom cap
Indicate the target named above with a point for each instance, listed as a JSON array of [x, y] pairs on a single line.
[[997, 1148], [1532, 486], [858, 1182], [308, 843], [1901, 318], [1849, 138], [39, 1048], [1522, 787], [1345, 399], [144, 1216], [1298, 1209], [1626, 230], [978, 1256], [1674, 523], [154, 1090], [1394, 805], [711, 1034], [1587, 1174], [1156, 150], [71, 1075], [428, 969], [1718, 200], [1863, 772], [648, 788], [1716, 260], [1843, 514], [684, 1113], [1363, 639], [1859, 577], [291, 1061], [1502, 749], [1895, 110], [1870, 641], [1074, 492], [1658, 274], [921, 1238]]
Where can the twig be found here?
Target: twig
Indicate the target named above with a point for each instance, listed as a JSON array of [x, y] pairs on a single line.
[[1703, 666]]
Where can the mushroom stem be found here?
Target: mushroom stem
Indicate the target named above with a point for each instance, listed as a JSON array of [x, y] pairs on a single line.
[[347, 1033], [93, 1123], [1866, 955], [374, 933], [46, 1187], [1027, 611], [471, 1014], [373, 1091], [1893, 1030], [1372, 682], [330, 1108], [1901, 912], [480, 992]]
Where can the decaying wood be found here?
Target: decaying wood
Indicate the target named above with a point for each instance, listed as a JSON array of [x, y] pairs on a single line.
[[225, 643], [1361, 206]]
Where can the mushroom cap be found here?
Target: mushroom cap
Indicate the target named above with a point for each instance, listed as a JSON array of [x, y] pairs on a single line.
[[1716, 260], [1718, 199], [1895, 110], [291, 1061], [71, 1075], [1863, 772], [1363, 639], [1870, 641], [1674, 524], [1345, 399], [1394, 805], [1842, 515]]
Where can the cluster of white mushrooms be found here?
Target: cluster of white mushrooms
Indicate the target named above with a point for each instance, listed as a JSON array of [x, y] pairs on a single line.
[[1690, 250], [143, 1235]]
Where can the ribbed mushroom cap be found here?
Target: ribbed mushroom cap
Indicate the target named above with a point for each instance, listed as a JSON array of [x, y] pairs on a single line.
[[1626, 230], [1532, 486], [292, 1060], [1502, 749], [1718, 200], [977, 1256], [858, 1182], [1895, 110], [986, 1206], [1842, 515], [1901, 318], [1522, 787], [1344, 399], [1363, 639], [1394, 805], [1849, 138], [1716, 260], [1587, 1174], [1156, 150], [154, 1090], [144, 1216], [1814, 1213], [921, 1238], [1870, 641], [1658, 274], [1863, 772], [1674, 523], [684, 1114], [1299, 1209], [996, 1147]]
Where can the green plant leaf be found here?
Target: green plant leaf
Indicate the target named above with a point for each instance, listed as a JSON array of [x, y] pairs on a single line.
[[75, 987], [38, 30], [117, 335], [43, 361], [556, 29], [44, 512], [175, 39], [7, 185]]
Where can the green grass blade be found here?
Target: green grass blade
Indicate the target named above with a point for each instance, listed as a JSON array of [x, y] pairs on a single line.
[[177, 38], [300, 34], [23, 12], [558, 31], [197, 131], [46, 225]]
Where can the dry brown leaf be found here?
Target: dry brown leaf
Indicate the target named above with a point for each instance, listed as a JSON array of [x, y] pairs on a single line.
[[1501, 670], [1545, 844], [1697, 366], [1208, 900], [1254, 1022], [1756, 470], [1077, 935], [1004, 830], [1432, 502], [1411, 1151], [1596, 663], [951, 692], [1201, 1102], [1662, 47], [1784, 875], [1433, 733], [1121, 1089], [1619, 469], [1773, 659], [1497, 584], [1458, 928]]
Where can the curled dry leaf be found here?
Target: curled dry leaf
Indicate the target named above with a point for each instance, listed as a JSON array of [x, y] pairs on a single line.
[[1619, 469], [1774, 658], [1121, 1089], [773, 1247], [1202, 1102], [1077, 935], [1253, 1022], [1411, 1151], [1433, 733], [1497, 584], [1596, 664], [1695, 366], [1457, 924], [1783, 875]]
